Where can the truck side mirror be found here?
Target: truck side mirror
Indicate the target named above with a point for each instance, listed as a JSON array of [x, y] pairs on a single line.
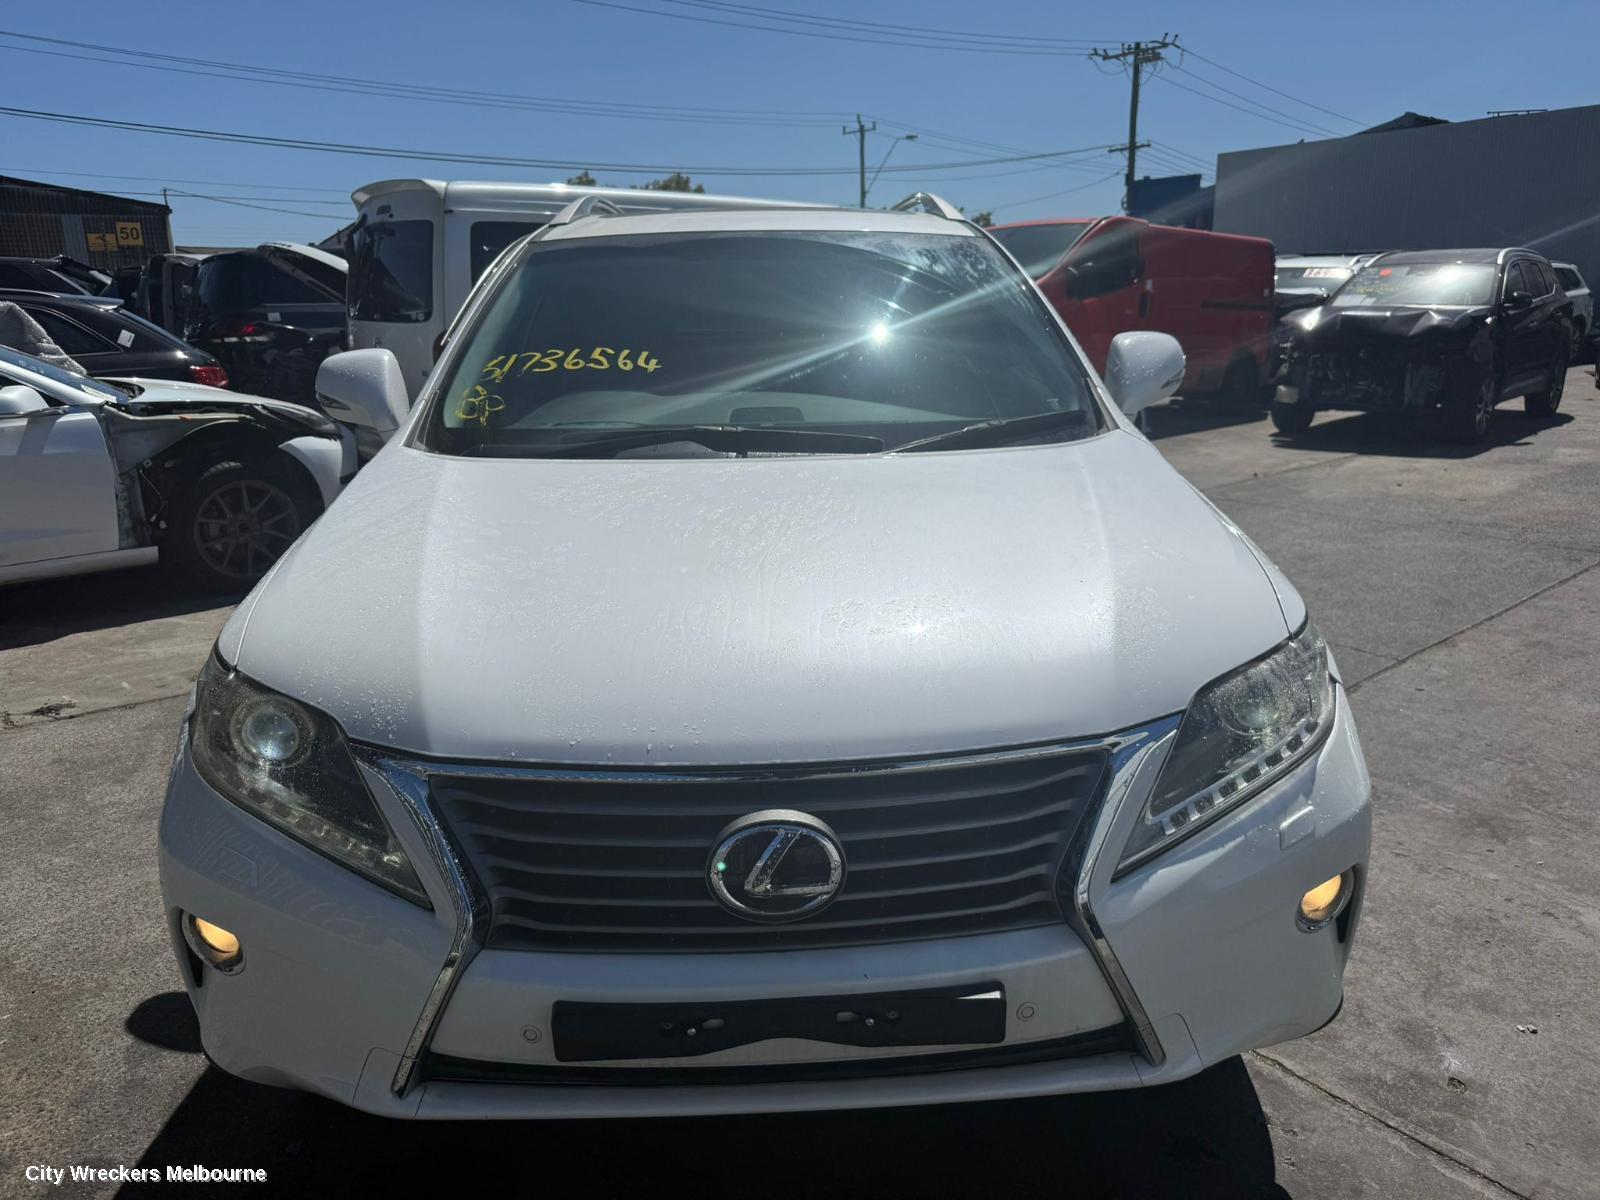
[[1142, 369], [364, 388]]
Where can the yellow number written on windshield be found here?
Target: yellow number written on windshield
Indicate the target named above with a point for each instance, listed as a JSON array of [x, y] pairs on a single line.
[[595, 358]]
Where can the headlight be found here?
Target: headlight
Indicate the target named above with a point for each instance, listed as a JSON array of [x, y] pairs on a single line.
[[288, 764], [1239, 733]]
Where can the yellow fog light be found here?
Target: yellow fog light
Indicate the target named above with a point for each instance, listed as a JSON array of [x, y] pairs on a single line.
[[1325, 901], [214, 944]]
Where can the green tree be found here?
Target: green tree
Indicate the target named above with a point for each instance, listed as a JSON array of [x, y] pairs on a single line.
[[676, 182], [583, 179], [986, 217]]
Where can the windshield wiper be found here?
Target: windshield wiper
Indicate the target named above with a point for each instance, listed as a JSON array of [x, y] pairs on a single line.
[[729, 438], [999, 431]]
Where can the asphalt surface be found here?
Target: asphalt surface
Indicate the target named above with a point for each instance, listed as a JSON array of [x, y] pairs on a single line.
[[1459, 590]]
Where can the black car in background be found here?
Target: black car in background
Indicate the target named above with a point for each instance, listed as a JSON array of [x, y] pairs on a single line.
[[1444, 332], [107, 339], [270, 315], [58, 274]]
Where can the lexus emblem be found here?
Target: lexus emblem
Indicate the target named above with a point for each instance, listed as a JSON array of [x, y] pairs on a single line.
[[776, 865]]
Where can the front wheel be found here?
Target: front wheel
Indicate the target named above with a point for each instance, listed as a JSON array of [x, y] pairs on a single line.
[[1467, 420], [235, 519], [1545, 403], [1291, 418]]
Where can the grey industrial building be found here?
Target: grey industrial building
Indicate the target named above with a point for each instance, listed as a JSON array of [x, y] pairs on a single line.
[[1421, 184], [40, 220]]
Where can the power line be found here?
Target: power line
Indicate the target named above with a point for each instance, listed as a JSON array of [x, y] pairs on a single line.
[[1240, 75], [247, 73], [1258, 104], [1287, 124], [1052, 195], [839, 37], [789, 14], [500, 160], [163, 179], [262, 207]]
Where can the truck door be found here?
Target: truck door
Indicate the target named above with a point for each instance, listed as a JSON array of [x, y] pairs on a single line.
[[1104, 279], [57, 485]]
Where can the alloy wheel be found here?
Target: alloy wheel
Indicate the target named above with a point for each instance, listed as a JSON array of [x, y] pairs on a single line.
[[243, 526]]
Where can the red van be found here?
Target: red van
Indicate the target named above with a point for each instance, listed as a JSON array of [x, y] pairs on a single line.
[[1211, 291]]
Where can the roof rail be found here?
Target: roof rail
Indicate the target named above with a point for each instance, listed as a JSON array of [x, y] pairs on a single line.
[[929, 203], [585, 206]]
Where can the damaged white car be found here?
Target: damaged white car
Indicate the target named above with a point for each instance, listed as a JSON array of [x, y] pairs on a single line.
[[98, 474]]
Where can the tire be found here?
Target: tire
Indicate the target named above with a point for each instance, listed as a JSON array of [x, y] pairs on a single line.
[[1241, 387], [1467, 420], [234, 519], [1291, 418], [1545, 403]]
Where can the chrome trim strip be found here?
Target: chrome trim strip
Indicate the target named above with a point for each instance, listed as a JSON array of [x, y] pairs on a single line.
[[411, 789], [1126, 763], [408, 777]]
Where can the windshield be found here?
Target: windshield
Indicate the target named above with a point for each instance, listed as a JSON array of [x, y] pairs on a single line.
[[888, 336], [85, 387], [1040, 247], [1418, 283], [391, 271]]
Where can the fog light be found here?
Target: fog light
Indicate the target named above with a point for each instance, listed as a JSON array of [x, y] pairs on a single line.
[[214, 944], [1324, 902]]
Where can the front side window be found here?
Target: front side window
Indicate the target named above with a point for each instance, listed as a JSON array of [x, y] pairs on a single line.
[[391, 271], [891, 337], [1418, 284]]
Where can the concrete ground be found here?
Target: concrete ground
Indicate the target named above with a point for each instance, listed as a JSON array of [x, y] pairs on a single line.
[[1458, 588]]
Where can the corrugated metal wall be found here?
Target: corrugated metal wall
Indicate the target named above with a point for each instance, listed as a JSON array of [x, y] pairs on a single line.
[[39, 221], [1529, 180]]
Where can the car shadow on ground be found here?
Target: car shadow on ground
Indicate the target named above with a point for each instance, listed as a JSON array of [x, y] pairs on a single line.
[[1192, 416], [1398, 435], [54, 608], [1203, 1137]]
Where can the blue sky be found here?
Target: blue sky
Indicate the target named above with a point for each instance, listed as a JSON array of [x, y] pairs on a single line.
[[1365, 62]]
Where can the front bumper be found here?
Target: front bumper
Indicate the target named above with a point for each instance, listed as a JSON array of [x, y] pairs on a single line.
[[1187, 960]]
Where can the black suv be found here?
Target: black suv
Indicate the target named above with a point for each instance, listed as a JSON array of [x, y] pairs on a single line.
[[1449, 332], [58, 274], [270, 315]]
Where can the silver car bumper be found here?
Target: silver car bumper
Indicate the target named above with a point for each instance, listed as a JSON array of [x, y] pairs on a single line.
[[353, 993]]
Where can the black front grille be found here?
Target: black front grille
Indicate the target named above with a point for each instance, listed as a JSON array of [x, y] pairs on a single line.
[[617, 861]]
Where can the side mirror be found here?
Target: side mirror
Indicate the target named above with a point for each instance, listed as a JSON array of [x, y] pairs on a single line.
[[1143, 369], [364, 388], [19, 400], [1519, 299]]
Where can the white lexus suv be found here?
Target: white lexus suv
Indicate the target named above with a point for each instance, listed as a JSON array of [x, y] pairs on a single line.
[[765, 670]]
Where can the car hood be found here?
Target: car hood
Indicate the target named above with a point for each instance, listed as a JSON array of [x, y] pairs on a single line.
[[717, 611], [1334, 325], [172, 393]]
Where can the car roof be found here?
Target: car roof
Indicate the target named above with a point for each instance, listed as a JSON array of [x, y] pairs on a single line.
[[1477, 254], [758, 220], [78, 299]]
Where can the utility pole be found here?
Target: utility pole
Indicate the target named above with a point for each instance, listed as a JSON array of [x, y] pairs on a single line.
[[1137, 55], [860, 134]]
